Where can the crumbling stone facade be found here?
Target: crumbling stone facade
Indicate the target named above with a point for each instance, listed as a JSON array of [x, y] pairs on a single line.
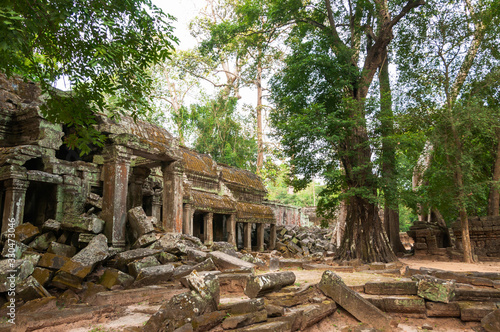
[[484, 235], [140, 165]]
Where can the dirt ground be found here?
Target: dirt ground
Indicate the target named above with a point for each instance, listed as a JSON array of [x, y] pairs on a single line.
[[137, 315]]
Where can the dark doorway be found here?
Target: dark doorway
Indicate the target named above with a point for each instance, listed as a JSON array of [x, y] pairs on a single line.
[[219, 224], [41, 203], [198, 226]]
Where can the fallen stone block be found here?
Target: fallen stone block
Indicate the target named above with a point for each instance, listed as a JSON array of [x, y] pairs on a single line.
[[243, 306], [154, 275], [165, 257], [144, 240], [311, 314], [477, 294], [150, 294], [436, 309], [184, 270], [195, 255], [207, 285], [316, 266], [291, 296], [90, 291], [113, 277], [174, 243], [26, 232], [233, 282], [84, 239], [31, 256], [79, 266], [8, 279], [475, 311], [83, 223], [42, 242], [292, 262], [52, 261], [122, 259], [68, 297], [237, 321], [51, 225], [227, 262], [43, 276], [181, 309], [434, 289], [42, 304], [13, 249], [225, 247], [139, 223], [403, 304], [333, 287], [391, 288], [274, 310], [61, 249], [207, 321], [262, 284], [135, 267], [30, 289], [491, 322], [266, 327]]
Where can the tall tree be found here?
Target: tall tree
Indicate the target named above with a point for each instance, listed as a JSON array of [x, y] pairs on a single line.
[[447, 47], [101, 47], [322, 109]]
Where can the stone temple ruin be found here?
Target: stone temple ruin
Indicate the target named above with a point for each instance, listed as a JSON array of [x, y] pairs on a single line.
[[140, 165], [144, 220]]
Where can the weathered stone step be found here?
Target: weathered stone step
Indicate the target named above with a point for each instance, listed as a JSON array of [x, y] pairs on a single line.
[[475, 311], [152, 294], [406, 287], [403, 304], [477, 294]]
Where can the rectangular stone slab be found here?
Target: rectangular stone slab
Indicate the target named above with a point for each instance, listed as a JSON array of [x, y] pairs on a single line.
[[391, 288], [403, 304], [226, 262], [436, 309], [333, 286]]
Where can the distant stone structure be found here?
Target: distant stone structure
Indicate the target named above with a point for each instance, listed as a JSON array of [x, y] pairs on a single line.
[[140, 165]]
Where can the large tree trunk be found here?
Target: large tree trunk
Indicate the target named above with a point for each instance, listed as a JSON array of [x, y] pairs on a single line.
[[364, 235], [391, 213], [494, 198], [260, 144]]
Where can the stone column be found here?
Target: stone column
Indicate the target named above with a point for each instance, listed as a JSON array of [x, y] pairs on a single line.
[[172, 197], [14, 199], [139, 177], [231, 229], [156, 208], [260, 237], [188, 219], [208, 219], [59, 202], [272, 237], [114, 201], [247, 236]]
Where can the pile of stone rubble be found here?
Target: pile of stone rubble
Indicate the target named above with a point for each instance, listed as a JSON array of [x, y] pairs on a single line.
[[296, 241]]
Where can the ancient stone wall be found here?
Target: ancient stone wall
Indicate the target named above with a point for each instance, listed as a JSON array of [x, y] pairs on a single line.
[[484, 236]]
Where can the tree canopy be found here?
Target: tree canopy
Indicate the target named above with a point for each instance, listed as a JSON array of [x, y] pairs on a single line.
[[102, 48]]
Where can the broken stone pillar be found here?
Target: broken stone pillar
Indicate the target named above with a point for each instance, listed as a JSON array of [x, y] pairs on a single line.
[[247, 236], [156, 206], [272, 237], [139, 175], [14, 198], [231, 229], [172, 197], [59, 203], [262, 284], [260, 237], [188, 220], [114, 202], [208, 219]]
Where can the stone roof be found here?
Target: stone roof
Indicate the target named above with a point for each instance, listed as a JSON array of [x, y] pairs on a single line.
[[210, 202], [250, 212], [198, 163], [241, 179]]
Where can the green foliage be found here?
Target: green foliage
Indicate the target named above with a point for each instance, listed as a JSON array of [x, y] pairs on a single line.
[[276, 178], [221, 133], [102, 48]]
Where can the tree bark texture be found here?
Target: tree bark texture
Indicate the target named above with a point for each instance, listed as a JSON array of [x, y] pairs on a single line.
[[494, 198]]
